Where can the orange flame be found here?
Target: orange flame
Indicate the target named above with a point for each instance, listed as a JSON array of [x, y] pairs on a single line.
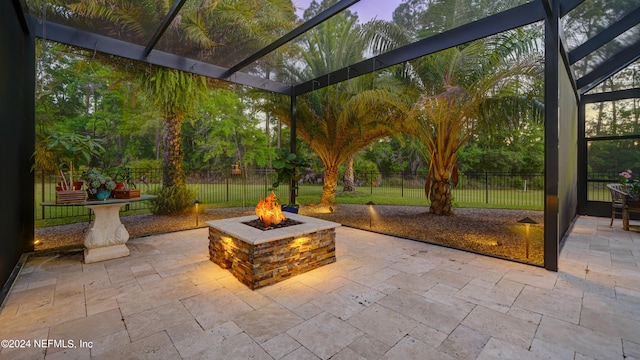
[[268, 210]]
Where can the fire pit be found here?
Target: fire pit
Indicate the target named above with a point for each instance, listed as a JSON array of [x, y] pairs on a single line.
[[259, 257], [270, 215], [269, 211]]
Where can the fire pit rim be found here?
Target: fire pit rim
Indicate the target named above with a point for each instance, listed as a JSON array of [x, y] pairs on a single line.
[[251, 235]]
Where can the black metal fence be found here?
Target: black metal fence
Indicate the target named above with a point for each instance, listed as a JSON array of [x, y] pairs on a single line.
[[517, 190], [224, 189], [597, 185]]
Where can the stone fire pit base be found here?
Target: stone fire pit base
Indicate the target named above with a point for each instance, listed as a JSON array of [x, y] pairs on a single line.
[[259, 258]]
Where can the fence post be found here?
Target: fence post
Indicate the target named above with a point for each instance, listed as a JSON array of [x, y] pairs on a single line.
[[486, 186], [371, 182], [42, 188], [402, 183], [227, 178]]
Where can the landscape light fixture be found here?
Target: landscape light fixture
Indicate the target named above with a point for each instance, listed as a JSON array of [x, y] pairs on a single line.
[[527, 221], [370, 203], [197, 202]]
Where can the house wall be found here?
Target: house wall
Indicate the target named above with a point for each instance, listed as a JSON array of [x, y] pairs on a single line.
[[17, 78]]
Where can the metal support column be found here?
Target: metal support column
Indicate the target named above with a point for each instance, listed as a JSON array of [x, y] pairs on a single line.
[[292, 144], [551, 134]]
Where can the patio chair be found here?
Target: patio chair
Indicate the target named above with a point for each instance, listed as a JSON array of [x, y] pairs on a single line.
[[618, 201]]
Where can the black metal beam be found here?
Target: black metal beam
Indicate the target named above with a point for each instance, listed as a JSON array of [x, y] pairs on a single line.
[[565, 61], [606, 35], [613, 137], [612, 96], [320, 18], [175, 8], [610, 67], [506, 20], [107, 45], [551, 137]]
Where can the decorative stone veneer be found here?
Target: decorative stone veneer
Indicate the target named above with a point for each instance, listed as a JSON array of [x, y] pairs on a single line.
[[259, 258]]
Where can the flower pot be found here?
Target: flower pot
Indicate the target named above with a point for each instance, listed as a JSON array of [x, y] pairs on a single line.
[[102, 194], [126, 194], [291, 209], [77, 185], [120, 185], [70, 196]]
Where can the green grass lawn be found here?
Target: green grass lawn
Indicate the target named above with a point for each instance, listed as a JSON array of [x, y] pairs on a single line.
[[235, 194]]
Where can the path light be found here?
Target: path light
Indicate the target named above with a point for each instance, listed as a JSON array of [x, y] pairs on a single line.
[[527, 221], [197, 202], [370, 203]]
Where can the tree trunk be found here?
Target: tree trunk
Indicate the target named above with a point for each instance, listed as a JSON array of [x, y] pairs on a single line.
[[158, 140], [172, 171], [329, 186], [440, 197], [349, 183]]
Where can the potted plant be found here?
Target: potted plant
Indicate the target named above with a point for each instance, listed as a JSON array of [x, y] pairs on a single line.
[[125, 184], [631, 185], [286, 164], [61, 152], [99, 186]]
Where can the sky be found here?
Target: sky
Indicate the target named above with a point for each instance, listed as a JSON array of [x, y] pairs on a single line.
[[366, 9]]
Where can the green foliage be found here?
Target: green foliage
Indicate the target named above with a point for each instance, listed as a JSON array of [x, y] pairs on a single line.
[[145, 164], [285, 165], [429, 17], [174, 91], [610, 155], [173, 200], [123, 174], [94, 179], [387, 154], [223, 130], [61, 150], [79, 95]]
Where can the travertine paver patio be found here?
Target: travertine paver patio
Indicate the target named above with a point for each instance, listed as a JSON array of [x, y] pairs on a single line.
[[384, 298]]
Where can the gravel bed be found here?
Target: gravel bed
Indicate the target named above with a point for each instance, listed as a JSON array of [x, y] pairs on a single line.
[[489, 231]]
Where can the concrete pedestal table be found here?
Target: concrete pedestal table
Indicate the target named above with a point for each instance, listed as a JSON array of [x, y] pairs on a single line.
[[107, 237]]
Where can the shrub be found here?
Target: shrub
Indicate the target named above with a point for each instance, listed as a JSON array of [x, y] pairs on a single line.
[[173, 200], [145, 164]]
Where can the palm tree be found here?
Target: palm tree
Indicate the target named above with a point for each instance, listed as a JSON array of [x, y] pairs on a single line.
[[472, 88], [176, 94], [339, 120], [483, 85]]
